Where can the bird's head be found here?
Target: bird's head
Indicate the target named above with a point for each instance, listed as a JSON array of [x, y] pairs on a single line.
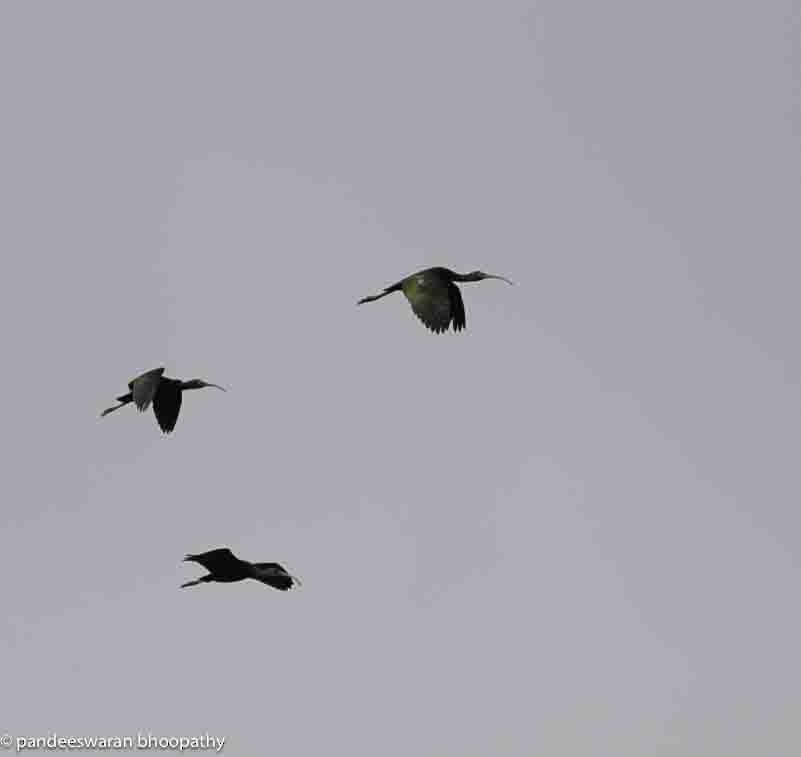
[[199, 384], [480, 276]]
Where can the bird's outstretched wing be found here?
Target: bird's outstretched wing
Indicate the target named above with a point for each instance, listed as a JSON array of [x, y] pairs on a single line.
[[275, 575], [215, 561], [167, 405], [430, 299], [144, 388], [457, 307]]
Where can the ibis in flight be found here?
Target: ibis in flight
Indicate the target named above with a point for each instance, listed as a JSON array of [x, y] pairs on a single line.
[[223, 566], [434, 296], [165, 394]]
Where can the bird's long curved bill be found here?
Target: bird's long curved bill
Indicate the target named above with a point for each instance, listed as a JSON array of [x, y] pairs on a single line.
[[502, 278], [217, 386]]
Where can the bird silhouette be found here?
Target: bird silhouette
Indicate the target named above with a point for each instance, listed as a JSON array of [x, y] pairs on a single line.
[[222, 565], [165, 394], [434, 296]]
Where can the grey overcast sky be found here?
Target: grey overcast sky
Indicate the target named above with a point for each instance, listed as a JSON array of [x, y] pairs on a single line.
[[571, 530]]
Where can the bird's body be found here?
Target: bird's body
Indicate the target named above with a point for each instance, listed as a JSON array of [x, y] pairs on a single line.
[[434, 296], [163, 392], [225, 567]]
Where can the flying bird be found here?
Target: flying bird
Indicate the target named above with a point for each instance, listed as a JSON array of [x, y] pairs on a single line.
[[223, 566], [434, 296], [165, 394]]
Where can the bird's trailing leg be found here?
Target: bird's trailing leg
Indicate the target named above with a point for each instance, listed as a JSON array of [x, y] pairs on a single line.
[[372, 299], [201, 580], [124, 400], [389, 290]]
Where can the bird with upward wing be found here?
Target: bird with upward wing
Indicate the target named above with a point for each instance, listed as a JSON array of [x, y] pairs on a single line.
[[163, 392], [434, 296]]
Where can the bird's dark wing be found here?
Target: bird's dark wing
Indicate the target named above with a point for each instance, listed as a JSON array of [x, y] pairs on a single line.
[[215, 561], [167, 405], [430, 299], [457, 307], [144, 388], [273, 574]]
